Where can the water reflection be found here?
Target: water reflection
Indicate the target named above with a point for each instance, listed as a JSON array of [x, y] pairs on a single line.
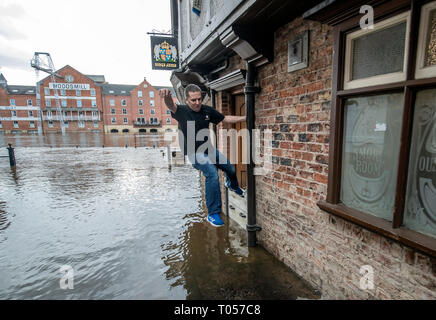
[[4, 222], [129, 228], [83, 139], [215, 263]]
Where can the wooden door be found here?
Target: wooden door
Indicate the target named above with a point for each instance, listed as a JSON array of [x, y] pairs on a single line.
[[241, 168]]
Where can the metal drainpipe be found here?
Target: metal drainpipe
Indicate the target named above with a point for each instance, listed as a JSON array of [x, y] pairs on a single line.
[[250, 90]]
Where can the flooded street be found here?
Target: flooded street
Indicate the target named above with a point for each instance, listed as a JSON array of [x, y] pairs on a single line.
[[127, 226]]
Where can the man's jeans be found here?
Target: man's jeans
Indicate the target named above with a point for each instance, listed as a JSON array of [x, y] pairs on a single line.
[[209, 167]]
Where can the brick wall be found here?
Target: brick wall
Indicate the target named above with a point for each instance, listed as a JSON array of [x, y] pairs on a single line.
[[323, 249]]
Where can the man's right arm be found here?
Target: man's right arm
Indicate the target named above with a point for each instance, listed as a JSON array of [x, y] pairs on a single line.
[[168, 99]]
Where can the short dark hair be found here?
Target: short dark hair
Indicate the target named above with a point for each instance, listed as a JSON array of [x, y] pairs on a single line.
[[191, 88]]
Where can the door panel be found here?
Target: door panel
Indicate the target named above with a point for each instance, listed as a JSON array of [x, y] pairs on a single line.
[[241, 169]]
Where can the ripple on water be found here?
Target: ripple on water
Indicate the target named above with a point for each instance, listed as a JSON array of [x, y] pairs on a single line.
[[128, 227]]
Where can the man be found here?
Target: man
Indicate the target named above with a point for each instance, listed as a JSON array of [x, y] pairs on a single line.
[[194, 119]]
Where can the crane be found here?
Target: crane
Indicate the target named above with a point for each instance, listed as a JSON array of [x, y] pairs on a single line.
[[42, 61]]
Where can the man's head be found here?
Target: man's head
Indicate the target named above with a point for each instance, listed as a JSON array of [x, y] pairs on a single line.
[[193, 97]]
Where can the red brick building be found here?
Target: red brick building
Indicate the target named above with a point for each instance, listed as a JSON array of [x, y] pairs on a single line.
[[18, 108], [349, 200], [135, 108], [80, 101], [87, 103]]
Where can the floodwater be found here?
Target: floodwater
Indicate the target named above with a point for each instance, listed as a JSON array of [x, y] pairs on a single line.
[[120, 225]]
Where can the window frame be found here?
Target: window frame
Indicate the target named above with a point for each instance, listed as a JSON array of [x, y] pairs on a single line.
[[378, 79], [409, 87]]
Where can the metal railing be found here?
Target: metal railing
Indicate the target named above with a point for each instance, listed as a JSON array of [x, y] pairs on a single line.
[[71, 118]]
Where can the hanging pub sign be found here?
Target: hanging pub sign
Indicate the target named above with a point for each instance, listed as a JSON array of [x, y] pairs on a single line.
[[164, 53]]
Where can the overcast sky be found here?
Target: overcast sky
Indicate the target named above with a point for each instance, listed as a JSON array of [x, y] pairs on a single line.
[[106, 37]]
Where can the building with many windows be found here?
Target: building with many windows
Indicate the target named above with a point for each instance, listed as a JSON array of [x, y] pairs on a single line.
[[83, 103], [135, 108], [18, 109], [80, 104]]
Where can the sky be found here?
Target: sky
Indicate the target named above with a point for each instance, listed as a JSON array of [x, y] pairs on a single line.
[[96, 37]]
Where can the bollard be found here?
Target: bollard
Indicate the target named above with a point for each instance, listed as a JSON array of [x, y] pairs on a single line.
[[11, 155], [169, 156]]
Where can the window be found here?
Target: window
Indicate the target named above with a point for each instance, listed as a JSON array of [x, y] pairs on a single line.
[[141, 111], [111, 91], [154, 121], [15, 124], [112, 111], [66, 124], [140, 102], [50, 124], [152, 111], [95, 124], [47, 91], [92, 92], [124, 120], [78, 93], [66, 114], [139, 94], [63, 92], [48, 103], [32, 124], [124, 111], [112, 102], [80, 114], [30, 114], [382, 169], [152, 103], [14, 113], [29, 102], [113, 120], [1, 126], [79, 103], [64, 102], [426, 56], [168, 111], [94, 103], [168, 120], [81, 124], [151, 94], [378, 55], [123, 102], [49, 114], [12, 102]]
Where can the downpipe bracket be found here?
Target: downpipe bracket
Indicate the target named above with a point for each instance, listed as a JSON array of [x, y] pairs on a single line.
[[253, 228], [251, 89]]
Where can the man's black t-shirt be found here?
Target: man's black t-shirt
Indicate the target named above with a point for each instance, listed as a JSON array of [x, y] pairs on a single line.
[[195, 121]]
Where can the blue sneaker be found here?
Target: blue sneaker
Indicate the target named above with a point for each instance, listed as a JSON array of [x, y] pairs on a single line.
[[215, 220], [236, 190]]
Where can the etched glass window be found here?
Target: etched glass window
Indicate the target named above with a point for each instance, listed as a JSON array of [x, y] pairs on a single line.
[[420, 206], [379, 52], [430, 48], [370, 153]]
